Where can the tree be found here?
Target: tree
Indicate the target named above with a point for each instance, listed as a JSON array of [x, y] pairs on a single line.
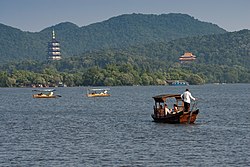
[[146, 79], [195, 79], [39, 80]]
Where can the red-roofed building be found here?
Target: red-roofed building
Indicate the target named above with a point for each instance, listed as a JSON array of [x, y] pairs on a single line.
[[187, 57]]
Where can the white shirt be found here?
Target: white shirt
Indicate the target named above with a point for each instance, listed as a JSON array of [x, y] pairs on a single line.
[[186, 96]]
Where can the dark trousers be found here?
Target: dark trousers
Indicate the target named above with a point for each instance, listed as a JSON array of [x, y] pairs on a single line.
[[186, 106]]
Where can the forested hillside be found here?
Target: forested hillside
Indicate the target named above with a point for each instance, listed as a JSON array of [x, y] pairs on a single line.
[[131, 49], [223, 58], [117, 32]]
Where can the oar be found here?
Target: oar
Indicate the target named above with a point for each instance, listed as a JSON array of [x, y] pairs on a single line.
[[58, 95]]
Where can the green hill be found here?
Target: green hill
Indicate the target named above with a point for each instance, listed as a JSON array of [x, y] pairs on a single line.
[[220, 58], [117, 32]]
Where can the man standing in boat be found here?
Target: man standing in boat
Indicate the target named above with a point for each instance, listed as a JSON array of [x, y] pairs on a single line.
[[186, 97]]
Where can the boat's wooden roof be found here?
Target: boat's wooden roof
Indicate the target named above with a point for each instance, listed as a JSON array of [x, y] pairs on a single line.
[[44, 90], [96, 89], [163, 97]]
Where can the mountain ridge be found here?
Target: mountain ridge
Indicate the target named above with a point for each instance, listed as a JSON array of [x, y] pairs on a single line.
[[117, 32]]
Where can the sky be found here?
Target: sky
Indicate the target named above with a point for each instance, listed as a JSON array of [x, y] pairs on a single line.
[[36, 15]]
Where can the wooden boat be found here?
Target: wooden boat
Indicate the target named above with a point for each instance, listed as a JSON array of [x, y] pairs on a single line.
[[45, 93], [173, 116], [98, 92]]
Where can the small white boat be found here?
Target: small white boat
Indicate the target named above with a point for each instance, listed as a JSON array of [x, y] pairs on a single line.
[[45, 93], [98, 92]]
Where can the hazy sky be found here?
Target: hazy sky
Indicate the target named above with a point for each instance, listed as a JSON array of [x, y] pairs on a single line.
[[35, 15]]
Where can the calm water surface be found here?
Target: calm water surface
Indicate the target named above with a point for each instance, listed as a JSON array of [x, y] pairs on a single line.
[[118, 131]]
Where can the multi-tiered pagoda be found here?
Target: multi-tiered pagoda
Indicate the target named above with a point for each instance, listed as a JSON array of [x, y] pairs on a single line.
[[54, 51]]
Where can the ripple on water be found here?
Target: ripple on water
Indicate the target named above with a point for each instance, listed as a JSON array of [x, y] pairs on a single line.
[[118, 131]]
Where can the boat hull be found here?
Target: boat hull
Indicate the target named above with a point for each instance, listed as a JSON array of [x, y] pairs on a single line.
[[44, 96], [178, 118], [98, 95]]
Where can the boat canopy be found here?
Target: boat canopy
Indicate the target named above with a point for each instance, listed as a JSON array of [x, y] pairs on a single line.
[[163, 97], [98, 89], [44, 90]]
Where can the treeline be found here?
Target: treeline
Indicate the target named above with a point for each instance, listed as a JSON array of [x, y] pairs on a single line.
[[207, 73], [106, 68], [49, 74], [111, 75]]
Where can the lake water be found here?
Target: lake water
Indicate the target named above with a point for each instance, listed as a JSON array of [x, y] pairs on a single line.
[[118, 131]]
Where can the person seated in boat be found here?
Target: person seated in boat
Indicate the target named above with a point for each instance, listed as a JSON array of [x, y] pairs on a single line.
[[166, 109], [105, 92], [175, 108], [160, 111]]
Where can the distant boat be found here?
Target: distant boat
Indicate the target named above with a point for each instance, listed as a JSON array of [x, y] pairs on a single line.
[[98, 92], [45, 93], [174, 116], [177, 82], [62, 85]]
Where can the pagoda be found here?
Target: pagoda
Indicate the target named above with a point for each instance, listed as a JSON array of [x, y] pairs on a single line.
[[54, 51], [187, 57]]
